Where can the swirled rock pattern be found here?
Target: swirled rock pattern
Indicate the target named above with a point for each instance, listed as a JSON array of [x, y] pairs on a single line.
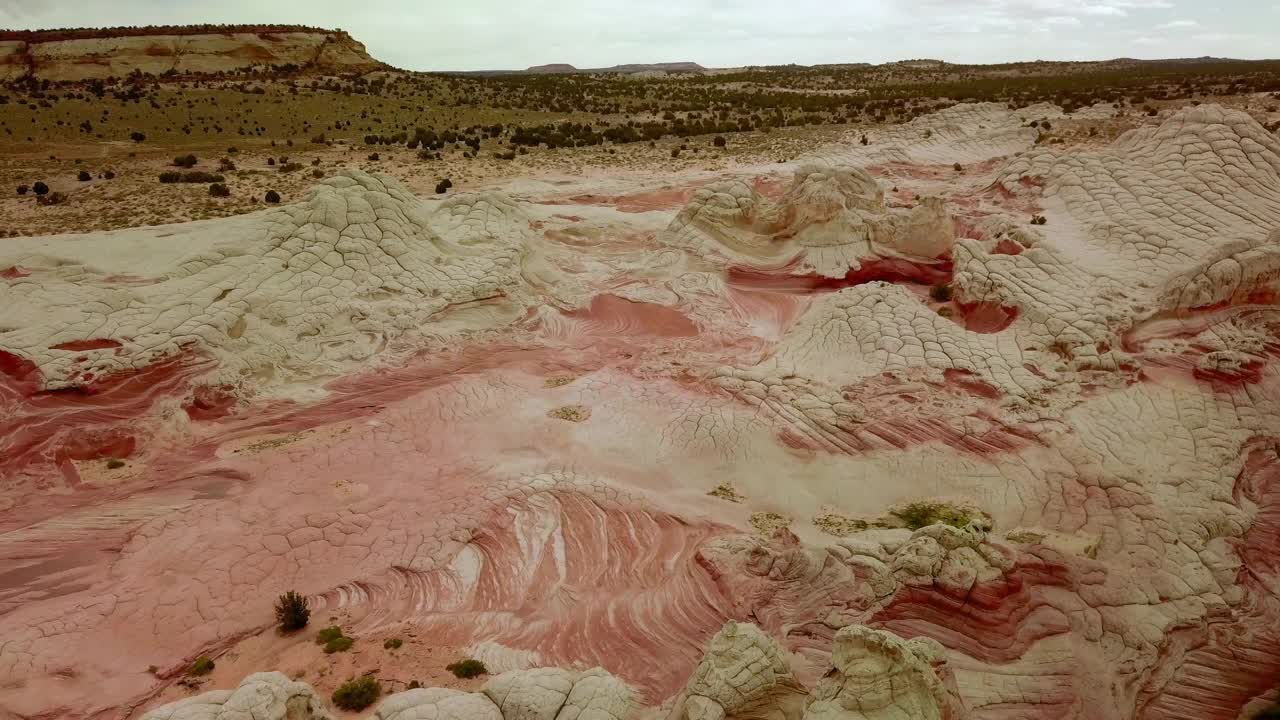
[[861, 443]]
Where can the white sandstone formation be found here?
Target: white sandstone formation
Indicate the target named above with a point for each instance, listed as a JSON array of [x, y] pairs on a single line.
[[261, 696], [829, 221], [879, 676]]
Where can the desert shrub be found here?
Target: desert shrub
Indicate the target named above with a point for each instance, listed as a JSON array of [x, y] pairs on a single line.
[[53, 198], [1038, 220], [719, 141], [202, 666], [333, 632], [273, 197], [185, 161], [290, 167], [317, 173], [923, 514], [467, 668], [137, 136], [40, 189], [414, 684], [292, 612], [233, 150], [958, 167], [315, 161], [443, 186], [392, 644], [271, 161], [84, 176], [22, 189], [114, 463], [219, 190], [373, 157], [339, 644], [675, 152], [191, 176], [940, 293], [357, 694], [110, 175], [226, 165]]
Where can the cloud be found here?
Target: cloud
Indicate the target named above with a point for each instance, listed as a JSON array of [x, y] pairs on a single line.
[[498, 34]]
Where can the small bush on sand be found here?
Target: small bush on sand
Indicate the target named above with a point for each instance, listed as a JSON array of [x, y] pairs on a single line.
[[290, 167], [202, 666], [292, 612], [923, 514], [357, 694], [226, 165], [219, 190], [271, 161], [719, 141], [115, 463], [273, 197], [110, 175], [22, 189], [83, 176], [191, 176], [185, 161], [53, 198], [317, 173], [137, 136], [40, 189], [940, 293], [333, 632], [392, 644], [373, 157], [1038, 220], [468, 668], [340, 644]]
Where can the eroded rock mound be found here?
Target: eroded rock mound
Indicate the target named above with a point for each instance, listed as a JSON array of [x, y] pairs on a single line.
[[744, 673], [308, 290], [877, 676], [261, 696], [829, 223]]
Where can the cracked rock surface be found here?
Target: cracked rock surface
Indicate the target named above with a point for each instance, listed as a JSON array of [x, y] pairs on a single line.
[[852, 438]]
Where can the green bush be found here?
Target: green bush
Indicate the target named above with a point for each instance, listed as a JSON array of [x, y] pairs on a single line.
[[392, 644], [339, 644], [333, 632], [468, 668], [923, 514], [357, 694], [202, 666], [292, 612]]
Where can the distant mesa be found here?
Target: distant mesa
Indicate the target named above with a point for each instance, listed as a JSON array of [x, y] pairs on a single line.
[[76, 54], [626, 69]]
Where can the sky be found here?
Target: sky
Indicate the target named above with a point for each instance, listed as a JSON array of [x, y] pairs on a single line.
[[513, 34]]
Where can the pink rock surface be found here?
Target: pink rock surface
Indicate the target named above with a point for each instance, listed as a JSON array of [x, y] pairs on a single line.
[[591, 431]]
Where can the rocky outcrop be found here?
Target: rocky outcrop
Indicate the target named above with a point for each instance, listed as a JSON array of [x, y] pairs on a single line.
[[744, 674], [74, 57], [262, 696]]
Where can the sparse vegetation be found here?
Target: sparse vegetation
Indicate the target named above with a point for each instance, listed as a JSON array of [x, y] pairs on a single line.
[[22, 189], [392, 643], [467, 668], [191, 176], [219, 190], [203, 665], [357, 694], [185, 161], [922, 514], [290, 167], [333, 640], [84, 176], [115, 463], [292, 612], [940, 293], [39, 189], [443, 186], [53, 198], [273, 197], [1038, 220]]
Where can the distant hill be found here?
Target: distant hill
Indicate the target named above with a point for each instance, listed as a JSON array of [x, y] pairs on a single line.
[[627, 69], [96, 53]]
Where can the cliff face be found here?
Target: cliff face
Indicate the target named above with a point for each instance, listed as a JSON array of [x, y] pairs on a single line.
[[85, 58]]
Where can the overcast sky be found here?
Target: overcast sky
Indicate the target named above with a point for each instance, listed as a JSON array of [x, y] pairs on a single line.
[[502, 34]]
